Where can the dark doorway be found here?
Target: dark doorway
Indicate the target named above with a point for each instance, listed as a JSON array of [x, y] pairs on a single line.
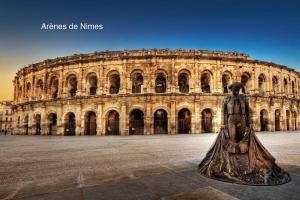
[[160, 122], [113, 123], [26, 127], [184, 121], [136, 122], [38, 124], [70, 125], [90, 124], [52, 120], [206, 118], [277, 120], [287, 120], [264, 120]]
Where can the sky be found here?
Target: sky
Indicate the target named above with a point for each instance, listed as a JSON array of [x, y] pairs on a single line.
[[267, 30]]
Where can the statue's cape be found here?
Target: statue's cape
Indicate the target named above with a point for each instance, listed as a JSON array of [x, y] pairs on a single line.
[[225, 161]]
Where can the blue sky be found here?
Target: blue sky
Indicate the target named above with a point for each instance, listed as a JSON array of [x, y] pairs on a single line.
[[267, 30]]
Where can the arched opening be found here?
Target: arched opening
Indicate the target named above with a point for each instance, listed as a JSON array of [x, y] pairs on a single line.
[[205, 82], [264, 121], [70, 124], [72, 85], [39, 89], [136, 122], [293, 87], [245, 80], [183, 82], [26, 126], [261, 83], [275, 84], [277, 120], [28, 90], [226, 80], [184, 121], [52, 122], [137, 82], [285, 85], [90, 127], [114, 83], [206, 121], [113, 123], [294, 120], [53, 87], [37, 120], [287, 120], [160, 122], [92, 81], [160, 83]]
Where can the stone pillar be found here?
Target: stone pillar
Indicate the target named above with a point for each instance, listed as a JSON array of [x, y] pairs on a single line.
[[123, 116], [172, 129], [196, 120], [100, 125], [148, 119]]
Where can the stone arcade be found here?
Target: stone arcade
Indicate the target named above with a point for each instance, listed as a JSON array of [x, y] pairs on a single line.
[[149, 91]]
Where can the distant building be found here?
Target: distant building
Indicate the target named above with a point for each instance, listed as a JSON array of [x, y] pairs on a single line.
[[5, 116]]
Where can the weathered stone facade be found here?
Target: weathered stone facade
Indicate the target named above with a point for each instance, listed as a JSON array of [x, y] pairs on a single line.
[[150, 91]]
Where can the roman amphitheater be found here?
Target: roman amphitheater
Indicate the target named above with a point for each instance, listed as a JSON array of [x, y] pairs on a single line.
[[149, 91]]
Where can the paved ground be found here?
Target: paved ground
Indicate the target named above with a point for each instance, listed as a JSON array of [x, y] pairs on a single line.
[[130, 167]]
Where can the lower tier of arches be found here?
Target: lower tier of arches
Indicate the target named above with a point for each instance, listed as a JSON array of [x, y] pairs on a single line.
[[184, 115]]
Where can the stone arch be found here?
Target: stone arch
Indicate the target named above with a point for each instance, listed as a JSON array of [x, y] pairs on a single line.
[[28, 90], [277, 120], [26, 124], [71, 84], [275, 84], [70, 124], [226, 81], [39, 89], [92, 83], [287, 112], [293, 87], [114, 81], [285, 85], [37, 123], [160, 121], [207, 120], [184, 119], [184, 80], [294, 120], [112, 123], [90, 123], [262, 83], [246, 81], [160, 81], [53, 87], [264, 120], [136, 122], [52, 123], [137, 79], [206, 81]]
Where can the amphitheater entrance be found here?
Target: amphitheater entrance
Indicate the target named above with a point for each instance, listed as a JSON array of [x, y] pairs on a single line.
[[70, 124], [184, 121], [160, 122], [136, 122], [37, 119], [277, 120], [26, 127], [287, 120], [264, 120], [52, 121], [90, 126], [113, 123], [206, 121]]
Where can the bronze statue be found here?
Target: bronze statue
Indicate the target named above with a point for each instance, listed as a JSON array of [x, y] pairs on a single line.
[[237, 155]]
